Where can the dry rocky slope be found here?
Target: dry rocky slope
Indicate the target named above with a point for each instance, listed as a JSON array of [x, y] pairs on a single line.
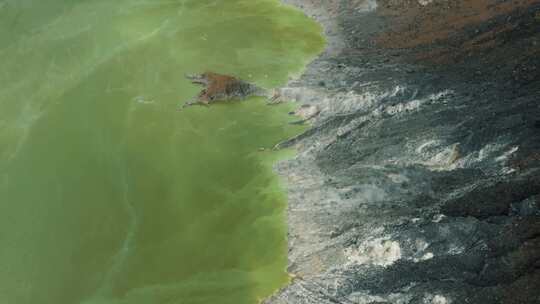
[[419, 181]]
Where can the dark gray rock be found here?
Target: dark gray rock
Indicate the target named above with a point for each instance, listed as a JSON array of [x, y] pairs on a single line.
[[418, 182], [527, 207]]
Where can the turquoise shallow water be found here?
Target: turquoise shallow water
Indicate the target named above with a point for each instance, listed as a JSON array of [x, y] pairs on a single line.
[[110, 195]]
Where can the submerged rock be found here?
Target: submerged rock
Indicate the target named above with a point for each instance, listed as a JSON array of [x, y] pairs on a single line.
[[220, 87]]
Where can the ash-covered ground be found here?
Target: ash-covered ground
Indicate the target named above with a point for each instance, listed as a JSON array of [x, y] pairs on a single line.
[[419, 181]]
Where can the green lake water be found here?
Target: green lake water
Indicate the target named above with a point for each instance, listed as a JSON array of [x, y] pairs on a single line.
[[108, 194]]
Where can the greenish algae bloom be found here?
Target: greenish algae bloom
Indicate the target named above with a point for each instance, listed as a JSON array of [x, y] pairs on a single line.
[[108, 195]]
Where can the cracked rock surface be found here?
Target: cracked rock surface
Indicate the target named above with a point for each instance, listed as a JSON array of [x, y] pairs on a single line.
[[419, 181]]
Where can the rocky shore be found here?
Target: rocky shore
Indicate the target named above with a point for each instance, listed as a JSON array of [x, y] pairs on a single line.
[[419, 181]]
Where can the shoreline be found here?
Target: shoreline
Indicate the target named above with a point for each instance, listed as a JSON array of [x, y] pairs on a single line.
[[335, 43]]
